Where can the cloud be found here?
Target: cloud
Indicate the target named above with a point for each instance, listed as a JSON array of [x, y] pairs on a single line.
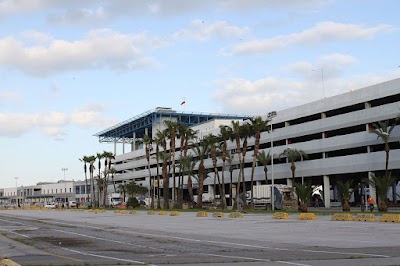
[[322, 32], [10, 97], [260, 96], [200, 30], [100, 49], [52, 124]]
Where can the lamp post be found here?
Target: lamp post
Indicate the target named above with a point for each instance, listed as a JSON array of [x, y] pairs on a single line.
[[323, 82], [65, 184], [270, 116], [16, 190]]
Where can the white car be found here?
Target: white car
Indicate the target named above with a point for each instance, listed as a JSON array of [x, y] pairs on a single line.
[[72, 204], [50, 205]]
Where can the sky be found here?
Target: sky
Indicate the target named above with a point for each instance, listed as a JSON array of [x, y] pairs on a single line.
[[70, 69]]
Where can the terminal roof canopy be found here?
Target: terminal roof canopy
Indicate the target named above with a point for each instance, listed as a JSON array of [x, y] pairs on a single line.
[[124, 131]]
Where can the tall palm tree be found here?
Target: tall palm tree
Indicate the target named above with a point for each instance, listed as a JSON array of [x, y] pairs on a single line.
[[293, 155], [245, 133], [212, 141], [172, 128], [92, 160], [224, 135], [345, 190], [303, 192], [257, 125], [165, 157], [148, 145], [229, 158], [381, 185], [201, 150], [159, 141], [99, 156], [235, 133], [108, 156], [85, 160]]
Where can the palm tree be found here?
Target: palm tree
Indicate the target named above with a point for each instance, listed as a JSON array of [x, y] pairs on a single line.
[[257, 125], [148, 145], [303, 192], [229, 158], [159, 140], [345, 190], [381, 185], [108, 156], [99, 156], [172, 128], [165, 157], [264, 159], [91, 160], [201, 150], [235, 133], [188, 166], [293, 155], [245, 133], [212, 141], [224, 135], [383, 131], [85, 160], [122, 188]]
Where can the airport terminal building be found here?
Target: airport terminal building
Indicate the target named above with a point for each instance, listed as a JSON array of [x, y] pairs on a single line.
[[333, 131]]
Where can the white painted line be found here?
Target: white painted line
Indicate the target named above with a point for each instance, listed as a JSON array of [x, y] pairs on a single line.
[[12, 232], [292, 263], [232, 257], [107, 257], [345, 253], [13, 222], [103, 239]]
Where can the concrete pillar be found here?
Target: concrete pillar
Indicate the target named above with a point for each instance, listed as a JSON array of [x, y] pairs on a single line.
[[115, 147], [289, 182], [123, 145], [134, 142], [327, 191]]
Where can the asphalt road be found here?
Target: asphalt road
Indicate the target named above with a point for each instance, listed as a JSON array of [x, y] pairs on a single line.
[[84, 238]]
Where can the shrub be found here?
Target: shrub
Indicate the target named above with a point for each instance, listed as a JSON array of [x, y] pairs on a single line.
[[133, 202]]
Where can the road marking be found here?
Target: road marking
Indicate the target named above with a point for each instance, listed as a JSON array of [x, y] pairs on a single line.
[[107, 257], [345, 253], [12, 232], [13, 222], [232, 257], [292, 263], [103, 239]]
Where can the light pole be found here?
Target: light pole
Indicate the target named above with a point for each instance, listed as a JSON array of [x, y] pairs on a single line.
[[16, 190], [65, 184], [270, 116]]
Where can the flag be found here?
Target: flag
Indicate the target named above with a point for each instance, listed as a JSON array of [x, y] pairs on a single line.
[[182, 103]]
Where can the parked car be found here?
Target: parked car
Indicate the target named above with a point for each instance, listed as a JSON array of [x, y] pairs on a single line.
[[50, 205], [72, 204]]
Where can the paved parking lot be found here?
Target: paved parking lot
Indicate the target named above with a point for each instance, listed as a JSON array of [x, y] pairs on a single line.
[[83, 238]]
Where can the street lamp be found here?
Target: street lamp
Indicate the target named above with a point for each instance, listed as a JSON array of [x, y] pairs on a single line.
[[323, 82], [16, 190], [270, 116], [65, 184]]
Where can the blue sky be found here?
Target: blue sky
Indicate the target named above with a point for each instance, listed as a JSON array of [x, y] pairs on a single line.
[[69, 69]]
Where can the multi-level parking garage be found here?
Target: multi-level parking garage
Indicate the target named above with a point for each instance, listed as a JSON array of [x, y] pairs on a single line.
[[334, 132]]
